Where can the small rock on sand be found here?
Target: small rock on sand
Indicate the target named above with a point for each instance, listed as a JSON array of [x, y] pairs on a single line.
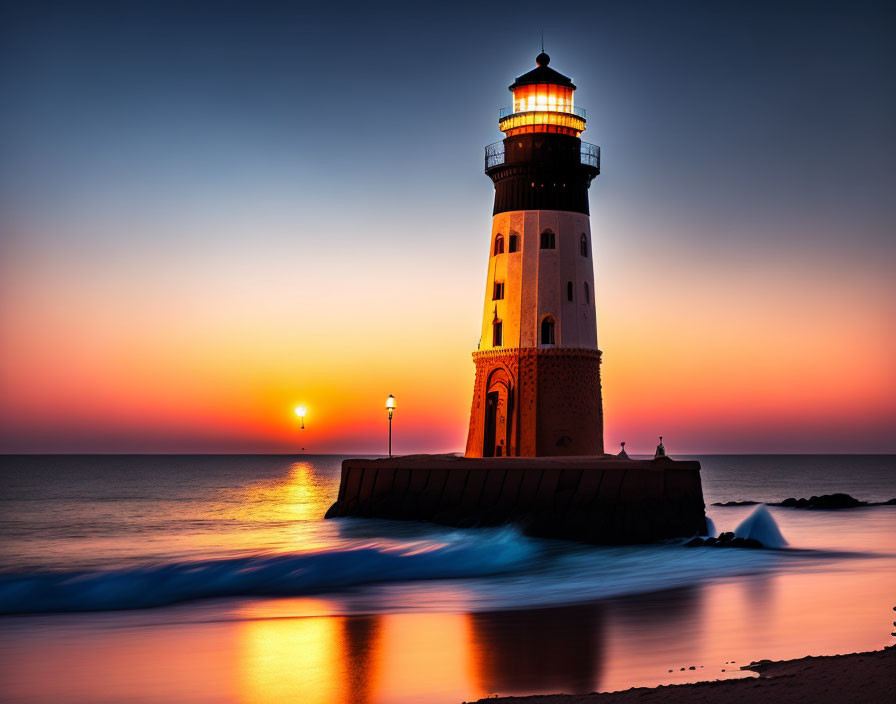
[[864, 677]]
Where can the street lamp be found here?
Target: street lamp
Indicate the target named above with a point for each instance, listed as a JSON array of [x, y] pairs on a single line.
[[300, 412], [390, 407]]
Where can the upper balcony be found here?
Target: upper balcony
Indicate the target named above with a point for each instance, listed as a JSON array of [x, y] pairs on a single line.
[[571, 110], [542, 113]]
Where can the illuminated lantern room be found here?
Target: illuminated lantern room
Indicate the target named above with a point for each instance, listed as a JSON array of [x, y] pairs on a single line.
[[542, 102]]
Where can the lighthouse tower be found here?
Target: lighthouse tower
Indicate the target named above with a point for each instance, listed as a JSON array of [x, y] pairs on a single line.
[[537, 390]]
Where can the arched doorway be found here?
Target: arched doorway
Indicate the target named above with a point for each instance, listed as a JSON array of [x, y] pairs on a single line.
[[498, 400]]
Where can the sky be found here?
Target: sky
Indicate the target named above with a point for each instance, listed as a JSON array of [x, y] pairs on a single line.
[[211, 213]]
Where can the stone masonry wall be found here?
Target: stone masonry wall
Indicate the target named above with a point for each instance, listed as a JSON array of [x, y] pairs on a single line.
[[596, 500], [555, 409]]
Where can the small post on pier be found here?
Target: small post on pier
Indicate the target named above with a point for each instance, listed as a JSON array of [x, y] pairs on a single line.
[[390, 407]]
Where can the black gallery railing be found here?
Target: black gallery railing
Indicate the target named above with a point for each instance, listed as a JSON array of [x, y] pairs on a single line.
[[589, 154]]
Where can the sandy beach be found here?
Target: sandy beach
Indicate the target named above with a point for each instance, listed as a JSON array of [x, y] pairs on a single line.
[[858, 677]]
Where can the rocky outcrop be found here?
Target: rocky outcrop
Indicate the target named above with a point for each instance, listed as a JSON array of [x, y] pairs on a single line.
[[601, 499], [826, 501]]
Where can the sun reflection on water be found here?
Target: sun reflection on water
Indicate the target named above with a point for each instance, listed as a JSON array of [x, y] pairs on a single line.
[[279, 514], [295, 660]]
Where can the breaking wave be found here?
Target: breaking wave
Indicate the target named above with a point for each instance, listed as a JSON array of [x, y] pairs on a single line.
[[491, 552], [760, 525]]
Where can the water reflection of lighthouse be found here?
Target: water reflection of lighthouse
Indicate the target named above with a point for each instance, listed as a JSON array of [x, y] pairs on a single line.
[[537, 389]]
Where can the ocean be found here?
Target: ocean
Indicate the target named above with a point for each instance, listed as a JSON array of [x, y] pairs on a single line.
[[215, 579]]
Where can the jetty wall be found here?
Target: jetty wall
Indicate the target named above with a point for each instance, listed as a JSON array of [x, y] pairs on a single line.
[[603, 499]]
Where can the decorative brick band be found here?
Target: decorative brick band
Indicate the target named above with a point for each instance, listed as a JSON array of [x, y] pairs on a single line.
[[521, 352]]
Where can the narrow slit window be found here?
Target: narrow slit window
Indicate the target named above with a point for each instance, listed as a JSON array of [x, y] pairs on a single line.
[[498, 292], [584, 245], [514, 244], [497, 333], [569, 290], [587, 293], [499, 244], [548, 240], [547, 331]]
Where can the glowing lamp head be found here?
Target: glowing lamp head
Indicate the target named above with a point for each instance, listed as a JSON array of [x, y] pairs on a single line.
[[390, 404], [300, 411], [542, 102]]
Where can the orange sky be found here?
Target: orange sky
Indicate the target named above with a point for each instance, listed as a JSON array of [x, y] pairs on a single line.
[[211, 351], [197, 233]]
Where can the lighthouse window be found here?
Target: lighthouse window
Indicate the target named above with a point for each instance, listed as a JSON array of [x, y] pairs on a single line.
[[584, 245], [499, 244], [547, 331], [587, 293], [569, 290], [514, 244], [548, 241], [498, 293], [497, 333]]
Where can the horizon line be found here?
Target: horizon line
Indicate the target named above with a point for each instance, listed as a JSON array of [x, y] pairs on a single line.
[[413, 454]]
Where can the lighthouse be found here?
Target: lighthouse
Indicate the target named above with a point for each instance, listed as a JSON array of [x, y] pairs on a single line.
[[535, 452], [537, 389]]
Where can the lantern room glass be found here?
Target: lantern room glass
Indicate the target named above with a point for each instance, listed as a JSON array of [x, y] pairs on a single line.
[[543, 97], [543, 107]]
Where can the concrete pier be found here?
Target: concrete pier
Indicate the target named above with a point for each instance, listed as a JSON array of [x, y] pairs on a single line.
[[602, 499]]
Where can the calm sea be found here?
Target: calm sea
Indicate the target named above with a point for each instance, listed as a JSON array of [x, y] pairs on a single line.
[[255, 598]]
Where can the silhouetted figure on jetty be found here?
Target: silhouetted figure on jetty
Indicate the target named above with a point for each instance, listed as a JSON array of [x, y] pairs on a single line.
[[660, 450], [622, 453]]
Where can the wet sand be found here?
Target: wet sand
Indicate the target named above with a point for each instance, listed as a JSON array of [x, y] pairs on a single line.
[[858, 677]]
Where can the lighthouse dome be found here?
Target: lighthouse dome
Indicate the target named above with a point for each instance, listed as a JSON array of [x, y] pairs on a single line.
[[543, 73], [542, 102]]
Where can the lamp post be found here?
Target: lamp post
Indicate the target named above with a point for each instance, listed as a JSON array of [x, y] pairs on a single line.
[[300, 412], [390, 407]]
